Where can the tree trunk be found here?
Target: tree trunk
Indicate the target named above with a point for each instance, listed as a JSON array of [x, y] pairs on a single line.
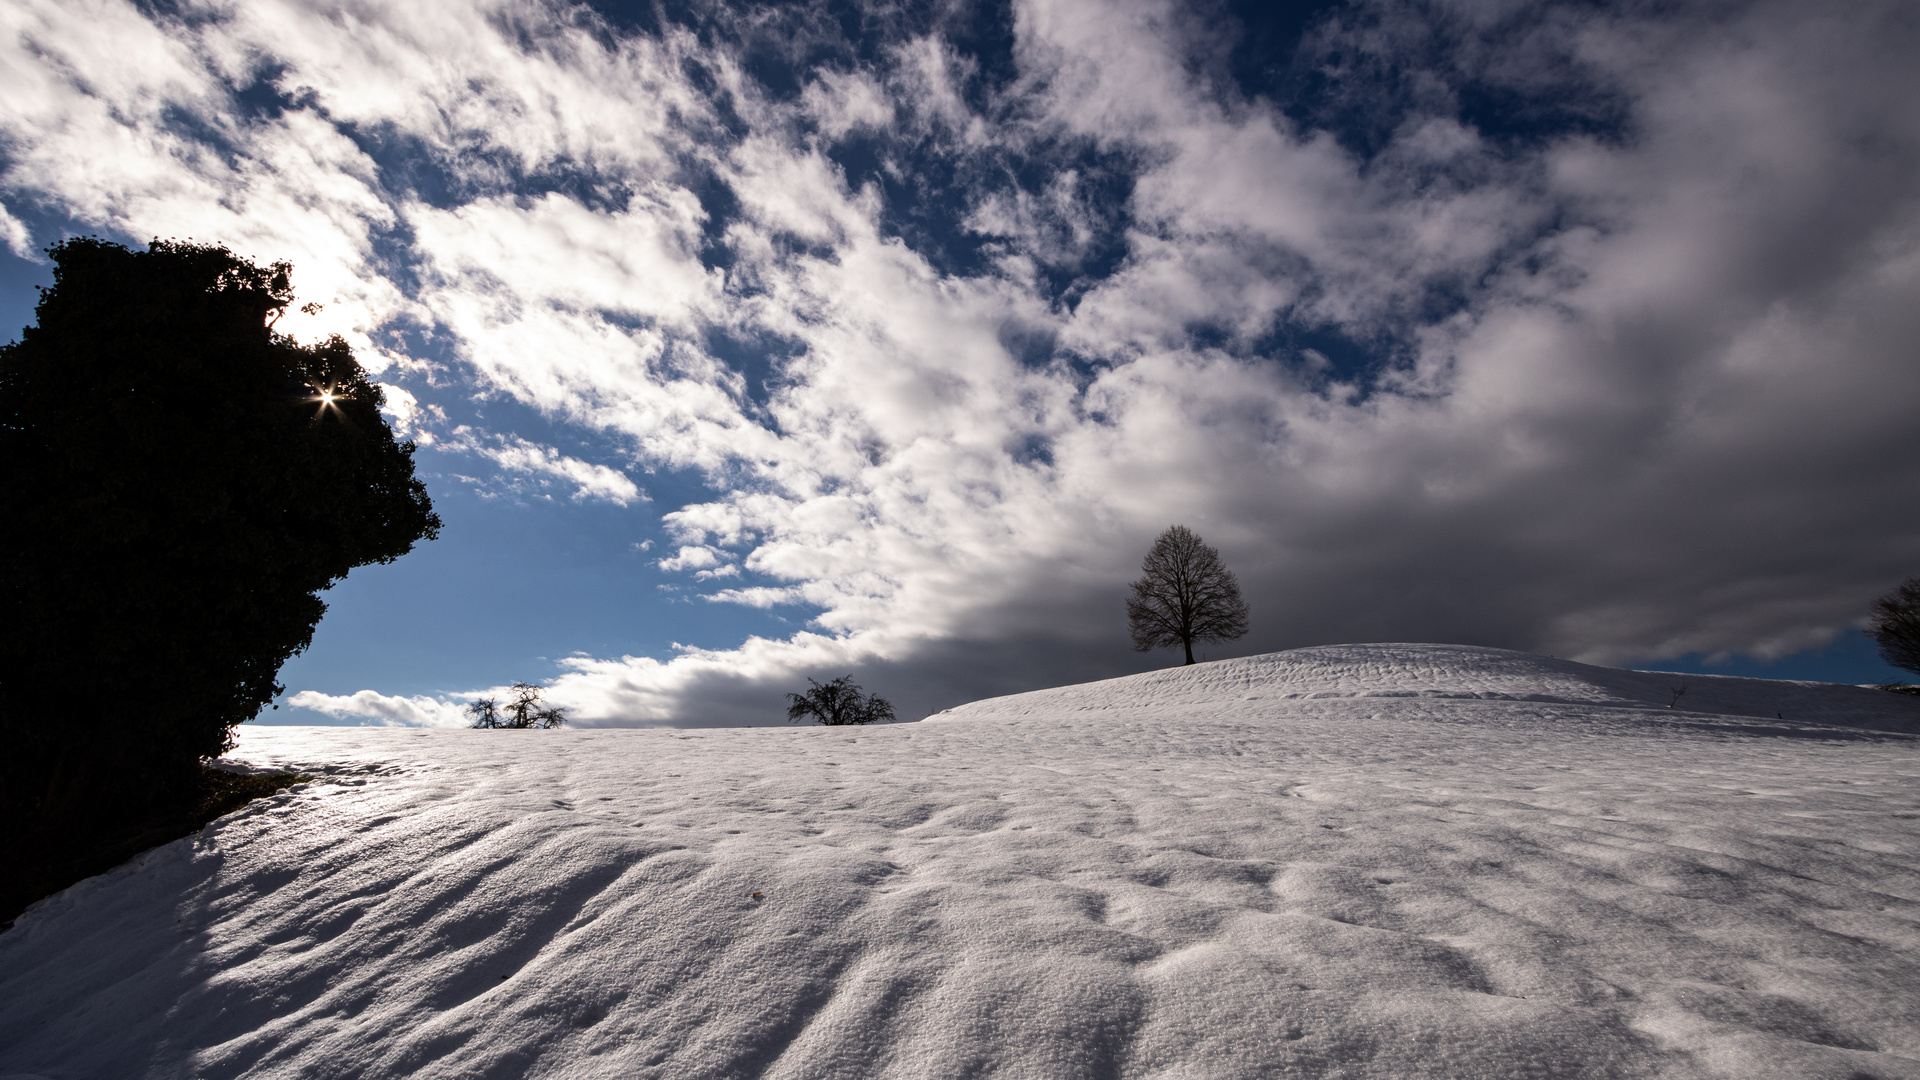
[[1188, 642]]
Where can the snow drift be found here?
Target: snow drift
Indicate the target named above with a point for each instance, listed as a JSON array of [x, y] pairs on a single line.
[[1357, 861]]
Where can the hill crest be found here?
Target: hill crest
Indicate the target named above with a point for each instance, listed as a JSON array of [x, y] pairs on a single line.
[[1470, 672]]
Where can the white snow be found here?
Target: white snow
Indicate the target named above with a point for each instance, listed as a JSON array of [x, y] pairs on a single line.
[[1355, 861]]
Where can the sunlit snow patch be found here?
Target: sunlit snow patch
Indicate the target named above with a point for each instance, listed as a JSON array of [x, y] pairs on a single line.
[[1357, 861]]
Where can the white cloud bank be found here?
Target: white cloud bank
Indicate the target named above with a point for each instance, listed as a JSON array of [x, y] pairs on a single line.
[[1649, 389], [383, 710]]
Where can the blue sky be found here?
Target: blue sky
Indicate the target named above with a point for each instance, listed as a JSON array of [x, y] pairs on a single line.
[[749, 343]]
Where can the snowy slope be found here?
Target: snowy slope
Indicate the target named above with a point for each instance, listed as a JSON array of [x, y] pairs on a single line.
[[1463, 671], [1359, 861]]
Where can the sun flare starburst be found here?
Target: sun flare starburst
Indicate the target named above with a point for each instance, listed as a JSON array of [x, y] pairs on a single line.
[[327, 397]]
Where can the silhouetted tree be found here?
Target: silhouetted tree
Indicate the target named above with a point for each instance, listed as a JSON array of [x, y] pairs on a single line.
[[1185, 595], [1895, 624], [838, 702], [182, 482], [524, 711]]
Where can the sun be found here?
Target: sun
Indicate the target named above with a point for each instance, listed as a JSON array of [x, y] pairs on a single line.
[[327, 397]]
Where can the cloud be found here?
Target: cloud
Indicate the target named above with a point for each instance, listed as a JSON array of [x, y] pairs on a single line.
[[691, 557], [14, 233], [699, 687], [406, 415], [382, 710], [844, 102], [544, 464], [758, 596], [1624, 375]]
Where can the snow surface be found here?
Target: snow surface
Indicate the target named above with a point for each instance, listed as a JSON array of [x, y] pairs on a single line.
[[1354, 861]]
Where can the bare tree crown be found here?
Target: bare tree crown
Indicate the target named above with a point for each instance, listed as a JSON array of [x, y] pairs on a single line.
[[1185, 595], [524, 711], [1895, 625], [839, 702]]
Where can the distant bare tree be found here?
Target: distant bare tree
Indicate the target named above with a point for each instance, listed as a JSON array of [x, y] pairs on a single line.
[[1186, 595], [838, 702], [525, 711], [1895, 624]]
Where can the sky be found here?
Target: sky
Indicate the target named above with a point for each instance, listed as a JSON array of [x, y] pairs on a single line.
[[745, 344]]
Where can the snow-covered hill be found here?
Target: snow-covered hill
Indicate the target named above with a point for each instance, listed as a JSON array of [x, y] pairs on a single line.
[[1356, 861], [1463, 672]]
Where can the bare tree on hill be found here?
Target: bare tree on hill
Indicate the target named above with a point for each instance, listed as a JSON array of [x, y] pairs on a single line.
[[1895, 624], [524, 711], [838, 702], [1185, 595]]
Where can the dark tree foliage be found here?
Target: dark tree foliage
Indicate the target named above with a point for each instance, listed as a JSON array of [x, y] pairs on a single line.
[[183, 481], [524, 711], [1185, 595], [1895, 624], [838, 702]]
